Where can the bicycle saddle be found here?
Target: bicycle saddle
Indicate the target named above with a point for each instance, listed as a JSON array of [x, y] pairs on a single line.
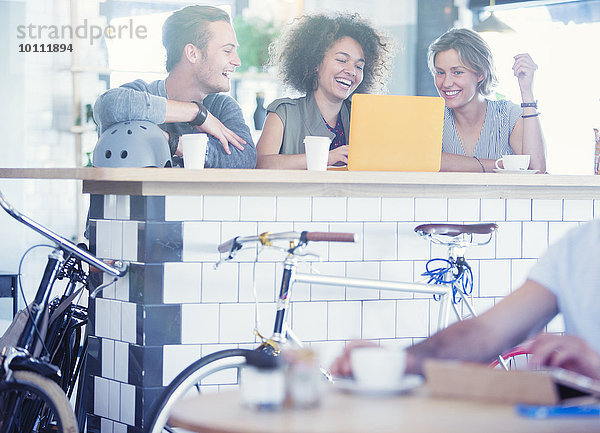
[[456, 229]]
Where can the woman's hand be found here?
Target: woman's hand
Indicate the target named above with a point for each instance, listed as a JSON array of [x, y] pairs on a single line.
[[524, 68], [566, 351], [339, 154]]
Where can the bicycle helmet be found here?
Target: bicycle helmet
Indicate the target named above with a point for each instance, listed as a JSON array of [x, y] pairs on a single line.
[[135, 143]]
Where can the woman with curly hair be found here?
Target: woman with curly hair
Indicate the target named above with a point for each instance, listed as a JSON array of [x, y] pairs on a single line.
[[328, 58], [477, 131]]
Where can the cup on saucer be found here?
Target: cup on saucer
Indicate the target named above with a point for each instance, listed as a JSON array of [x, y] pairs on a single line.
[[378, 368], [513, 162]]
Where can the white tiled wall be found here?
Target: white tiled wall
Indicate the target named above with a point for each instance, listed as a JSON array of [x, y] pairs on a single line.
[[218, 305]]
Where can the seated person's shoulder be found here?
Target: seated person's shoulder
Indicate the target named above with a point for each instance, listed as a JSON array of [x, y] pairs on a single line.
[[138, 84], [216, 102], [502, 105], [282, 104]]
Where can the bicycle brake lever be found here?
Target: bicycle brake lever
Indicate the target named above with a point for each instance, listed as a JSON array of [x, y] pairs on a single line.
[[308, 254]]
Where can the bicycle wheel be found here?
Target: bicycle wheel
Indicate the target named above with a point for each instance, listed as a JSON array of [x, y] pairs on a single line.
[[515, 359], [30, 403], [189, 379]]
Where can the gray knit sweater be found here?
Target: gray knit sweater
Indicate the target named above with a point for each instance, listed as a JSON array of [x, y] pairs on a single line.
[[139, 100]]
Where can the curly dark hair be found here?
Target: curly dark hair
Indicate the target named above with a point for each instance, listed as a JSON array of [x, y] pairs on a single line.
[[302, 49]]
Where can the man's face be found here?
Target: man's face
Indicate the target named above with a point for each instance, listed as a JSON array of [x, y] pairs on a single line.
[[218, 59]]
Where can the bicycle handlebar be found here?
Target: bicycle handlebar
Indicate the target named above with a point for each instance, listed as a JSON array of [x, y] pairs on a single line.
[[266, 239], [62, 243]]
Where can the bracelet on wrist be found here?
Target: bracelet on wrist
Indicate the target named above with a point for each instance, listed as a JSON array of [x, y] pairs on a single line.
[[481, 164], [529, 104], [201, 116], [525, 116]]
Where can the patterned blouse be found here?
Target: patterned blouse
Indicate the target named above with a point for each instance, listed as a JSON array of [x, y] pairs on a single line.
[[340, 136], [500, 120]]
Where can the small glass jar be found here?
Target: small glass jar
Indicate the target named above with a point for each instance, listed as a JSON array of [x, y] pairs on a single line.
[[304, 379], [262, 382]]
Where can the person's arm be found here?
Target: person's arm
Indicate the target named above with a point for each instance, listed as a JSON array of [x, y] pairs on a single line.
[[479, 339], [482, 338], [454, 162], [269, 145], [131, 101], [225, 110], [527, 137]]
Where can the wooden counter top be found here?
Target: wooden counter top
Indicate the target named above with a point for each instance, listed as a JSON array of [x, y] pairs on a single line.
[[156, 181]]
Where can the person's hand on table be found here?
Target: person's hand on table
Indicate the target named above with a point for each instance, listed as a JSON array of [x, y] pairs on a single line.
[[338, 155], [214, 127], [341, 365], [565, 351]]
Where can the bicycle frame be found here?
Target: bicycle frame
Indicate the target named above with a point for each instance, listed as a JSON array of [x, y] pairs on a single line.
[[290, 276]]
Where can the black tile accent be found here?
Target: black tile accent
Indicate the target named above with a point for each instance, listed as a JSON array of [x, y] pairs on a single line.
[[160, 242], [146, 283], [131, 429], [158, 324], [96, 206], [145, 365], [93, 367], [93, 423], [150, 208], [91, 325], [91, 232], [94, 356], [144, 401]]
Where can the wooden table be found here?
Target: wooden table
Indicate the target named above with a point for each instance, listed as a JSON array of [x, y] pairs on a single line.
[[349, 413]]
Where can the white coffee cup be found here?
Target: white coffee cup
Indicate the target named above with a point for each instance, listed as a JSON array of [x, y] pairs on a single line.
[[317, 152], [194, 150], [377, 367], [513, 162]]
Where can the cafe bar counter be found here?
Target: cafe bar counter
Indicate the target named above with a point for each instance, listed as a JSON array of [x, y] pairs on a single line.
[[174, 306]]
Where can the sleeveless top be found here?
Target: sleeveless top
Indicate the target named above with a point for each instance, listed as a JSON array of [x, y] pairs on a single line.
[[301, 117], [494, 140]]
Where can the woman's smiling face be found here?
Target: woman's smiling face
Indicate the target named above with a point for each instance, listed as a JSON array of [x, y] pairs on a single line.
[[341, 70], [456, 83]]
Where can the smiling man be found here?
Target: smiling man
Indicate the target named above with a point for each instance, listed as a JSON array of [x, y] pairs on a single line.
[[201, 57]]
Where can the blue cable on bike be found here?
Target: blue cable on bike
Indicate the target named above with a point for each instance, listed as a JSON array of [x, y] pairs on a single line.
[[457, 274]]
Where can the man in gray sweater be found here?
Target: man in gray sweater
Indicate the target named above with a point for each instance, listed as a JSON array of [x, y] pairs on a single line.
[[201, 56]]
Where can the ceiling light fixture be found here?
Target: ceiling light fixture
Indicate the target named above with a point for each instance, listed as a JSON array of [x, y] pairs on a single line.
[[492, 23]]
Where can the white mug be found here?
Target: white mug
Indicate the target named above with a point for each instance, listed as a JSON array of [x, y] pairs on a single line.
[[377, 367], [317, 152], [513, 162], [194, 150]]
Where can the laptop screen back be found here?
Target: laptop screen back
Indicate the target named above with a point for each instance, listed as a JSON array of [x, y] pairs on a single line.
[[396, 133]]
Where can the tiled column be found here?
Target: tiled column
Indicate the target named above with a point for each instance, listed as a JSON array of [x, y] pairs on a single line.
[[130, 320]]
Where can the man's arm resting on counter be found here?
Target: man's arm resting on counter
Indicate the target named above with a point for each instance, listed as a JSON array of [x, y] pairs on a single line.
[[229, 113], [128, 103], [500, 328]]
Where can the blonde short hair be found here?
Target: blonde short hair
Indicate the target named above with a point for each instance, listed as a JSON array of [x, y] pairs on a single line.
[[473, 52]]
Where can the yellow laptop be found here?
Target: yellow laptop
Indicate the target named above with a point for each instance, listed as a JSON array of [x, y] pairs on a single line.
[[396, 133]]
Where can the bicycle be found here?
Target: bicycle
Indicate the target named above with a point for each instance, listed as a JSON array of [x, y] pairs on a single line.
[[33, 390], [442, 284]]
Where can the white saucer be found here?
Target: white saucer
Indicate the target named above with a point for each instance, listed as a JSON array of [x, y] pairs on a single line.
[[502, 170], [407, 383]]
